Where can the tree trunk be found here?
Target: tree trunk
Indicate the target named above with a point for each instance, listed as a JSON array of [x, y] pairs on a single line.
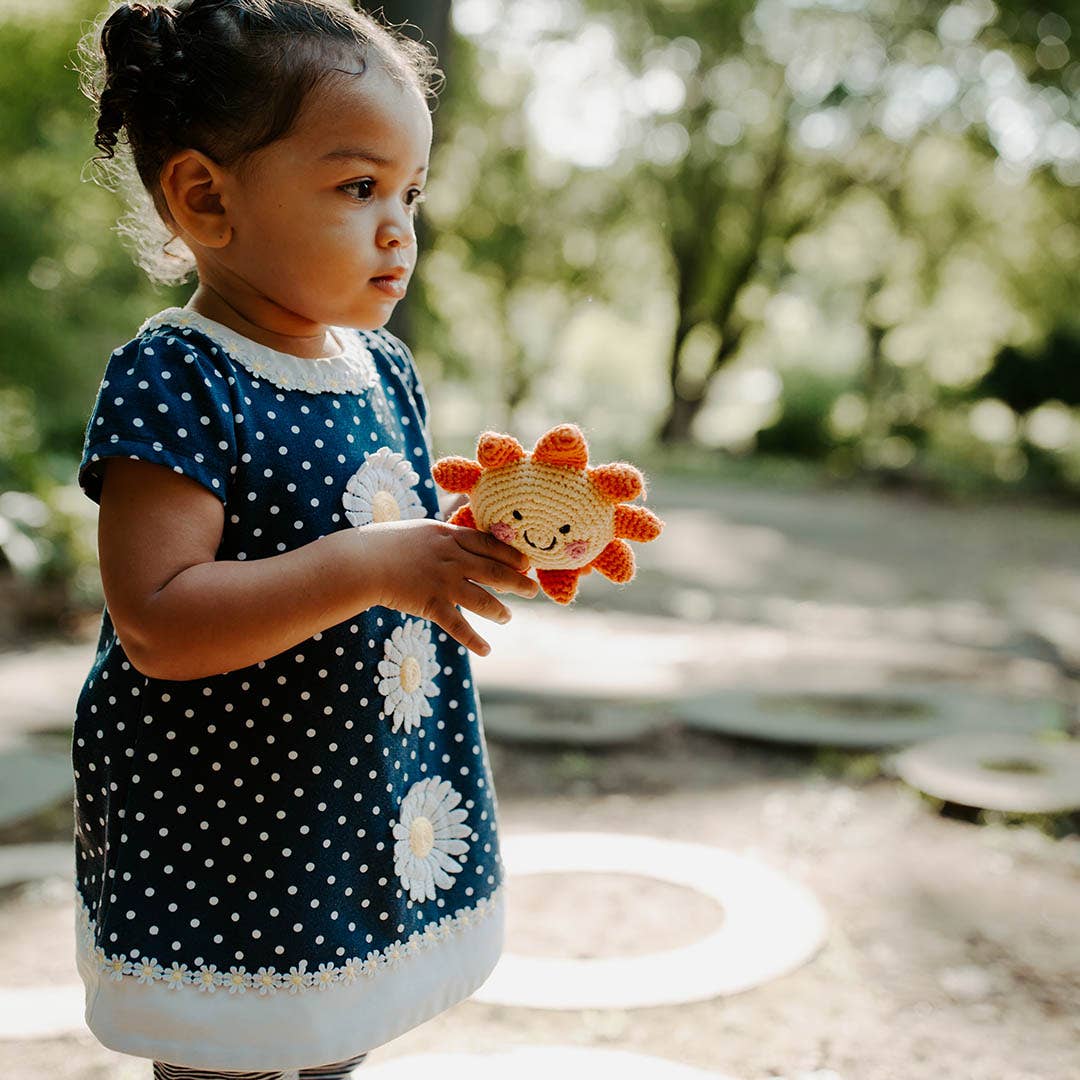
[[679, 419], [684, 407], [876, 428]]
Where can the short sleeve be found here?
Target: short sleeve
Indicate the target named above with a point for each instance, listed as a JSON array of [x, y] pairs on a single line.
[[162, 399]]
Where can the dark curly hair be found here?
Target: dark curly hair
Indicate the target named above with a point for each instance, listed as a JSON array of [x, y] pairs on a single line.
[[226, 77]]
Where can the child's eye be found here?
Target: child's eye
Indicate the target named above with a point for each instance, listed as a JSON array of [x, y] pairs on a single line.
[[365, 188]]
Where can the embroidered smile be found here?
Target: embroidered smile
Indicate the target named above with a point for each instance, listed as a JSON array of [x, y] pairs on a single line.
[[537, 546]]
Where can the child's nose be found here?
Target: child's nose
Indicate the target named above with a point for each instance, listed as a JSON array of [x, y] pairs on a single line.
[[394, 233]]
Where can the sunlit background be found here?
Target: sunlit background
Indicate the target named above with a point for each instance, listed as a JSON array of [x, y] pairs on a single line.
[[841, 232], [814, 266]]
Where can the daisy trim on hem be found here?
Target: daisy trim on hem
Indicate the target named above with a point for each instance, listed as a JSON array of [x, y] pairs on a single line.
[[267, 981], [349, 372]]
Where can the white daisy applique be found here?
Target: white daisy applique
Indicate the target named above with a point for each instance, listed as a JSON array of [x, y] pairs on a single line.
[[382, 489], [148, 970], [427, 837], [408, 671]]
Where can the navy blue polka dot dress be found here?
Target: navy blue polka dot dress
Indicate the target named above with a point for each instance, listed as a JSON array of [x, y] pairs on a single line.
[[294, 862]]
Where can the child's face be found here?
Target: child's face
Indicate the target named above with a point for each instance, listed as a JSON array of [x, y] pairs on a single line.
[[314, 229]]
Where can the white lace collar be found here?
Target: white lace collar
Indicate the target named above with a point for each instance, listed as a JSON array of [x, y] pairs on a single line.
[[349, 371]]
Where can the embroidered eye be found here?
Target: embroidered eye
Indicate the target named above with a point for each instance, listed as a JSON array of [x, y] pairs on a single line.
[[517, 515], [565, 529]]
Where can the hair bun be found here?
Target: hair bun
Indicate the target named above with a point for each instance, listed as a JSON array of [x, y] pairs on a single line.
[[182, 7], [139, 32], [144, 68]]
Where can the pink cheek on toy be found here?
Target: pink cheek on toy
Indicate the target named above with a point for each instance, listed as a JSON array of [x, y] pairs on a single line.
[[501, 531], [576, 548]]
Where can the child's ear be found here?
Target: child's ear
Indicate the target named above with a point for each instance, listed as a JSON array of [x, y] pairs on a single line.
[[191, 184]]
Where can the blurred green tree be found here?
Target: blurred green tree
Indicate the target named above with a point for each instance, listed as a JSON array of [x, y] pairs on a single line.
[[790, 108], [429, 21], [68, 291], [883, 193]]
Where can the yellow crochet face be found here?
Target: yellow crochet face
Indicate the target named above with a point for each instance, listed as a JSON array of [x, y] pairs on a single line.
[[567, 517], [551, 513]]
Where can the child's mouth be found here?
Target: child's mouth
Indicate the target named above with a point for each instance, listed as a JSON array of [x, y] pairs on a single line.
[[392, 286]]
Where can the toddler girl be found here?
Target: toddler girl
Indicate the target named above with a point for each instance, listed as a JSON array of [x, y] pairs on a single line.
[[286, 835]]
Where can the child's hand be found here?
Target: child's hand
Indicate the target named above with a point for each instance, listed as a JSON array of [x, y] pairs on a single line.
[[424, 567]]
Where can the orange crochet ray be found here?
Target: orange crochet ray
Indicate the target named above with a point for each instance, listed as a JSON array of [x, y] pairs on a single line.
[[568, 518]]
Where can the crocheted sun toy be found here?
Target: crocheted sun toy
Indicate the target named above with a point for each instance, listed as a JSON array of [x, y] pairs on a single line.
[[568, 518]]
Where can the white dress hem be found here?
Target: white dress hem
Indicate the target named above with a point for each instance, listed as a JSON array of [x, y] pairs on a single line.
[[219, 1030]]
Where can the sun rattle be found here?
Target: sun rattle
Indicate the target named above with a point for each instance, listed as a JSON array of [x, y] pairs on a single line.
[[568, 518]]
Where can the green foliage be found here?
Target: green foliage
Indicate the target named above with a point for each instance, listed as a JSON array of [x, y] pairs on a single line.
[[1024, 378], [1056, 826], [854, 767], [760, 209], [802, 428], [20, 440], [68, 291], [849, 155], [68, 294], [42, 537]]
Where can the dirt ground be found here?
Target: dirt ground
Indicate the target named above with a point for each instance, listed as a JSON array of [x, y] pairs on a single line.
[[952, 951]]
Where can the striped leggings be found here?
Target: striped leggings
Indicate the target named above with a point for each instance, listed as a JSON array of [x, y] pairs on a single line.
[[340, 1070]]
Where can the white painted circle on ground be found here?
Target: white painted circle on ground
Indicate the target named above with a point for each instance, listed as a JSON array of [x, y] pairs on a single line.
[[887, 716], [772, 925], [996, 771], [538, 1063], [41, 1012]]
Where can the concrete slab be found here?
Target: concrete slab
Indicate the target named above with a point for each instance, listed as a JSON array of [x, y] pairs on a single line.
[[577, 721], [32, 778], [888, 716], [1016, 773], [32, 862]]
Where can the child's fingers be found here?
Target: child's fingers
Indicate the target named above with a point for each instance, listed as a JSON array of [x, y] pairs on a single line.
[[481, 543], [501, 577], [455, 624], [483, 603]]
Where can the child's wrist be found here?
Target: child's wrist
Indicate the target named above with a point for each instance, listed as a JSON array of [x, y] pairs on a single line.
[[365, 576]]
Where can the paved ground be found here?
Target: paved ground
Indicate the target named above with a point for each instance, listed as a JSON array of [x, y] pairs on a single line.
[[952, 952]]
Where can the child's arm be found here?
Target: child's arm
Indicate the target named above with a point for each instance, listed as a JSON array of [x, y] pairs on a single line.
[[182, 615]]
